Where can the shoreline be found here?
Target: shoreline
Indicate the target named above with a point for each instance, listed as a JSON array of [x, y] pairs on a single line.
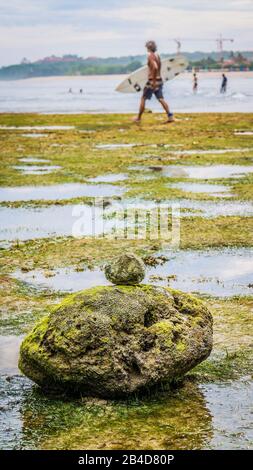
[[130, 113], [216, 73]]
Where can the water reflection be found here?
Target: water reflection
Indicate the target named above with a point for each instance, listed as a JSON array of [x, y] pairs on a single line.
[[177, 419], [221, 273], [36, 169], [57, 192], [210, 416], [197, 171]]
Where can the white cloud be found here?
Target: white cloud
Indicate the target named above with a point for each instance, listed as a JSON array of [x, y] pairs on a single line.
[[164, 23], [44, 40], [112, 27], [58, 35]]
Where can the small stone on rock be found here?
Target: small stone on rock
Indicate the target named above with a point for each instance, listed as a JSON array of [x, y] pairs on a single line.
[[126, 269]]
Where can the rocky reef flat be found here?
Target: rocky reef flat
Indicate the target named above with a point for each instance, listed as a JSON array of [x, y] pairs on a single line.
[[209, 404]]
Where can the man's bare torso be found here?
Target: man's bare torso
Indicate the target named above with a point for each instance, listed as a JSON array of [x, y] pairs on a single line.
[[154, 66]]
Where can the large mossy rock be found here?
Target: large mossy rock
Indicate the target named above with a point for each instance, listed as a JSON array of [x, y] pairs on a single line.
[[113, 341]]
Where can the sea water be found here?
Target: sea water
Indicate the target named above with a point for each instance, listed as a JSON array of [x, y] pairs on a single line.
[[50, 94]]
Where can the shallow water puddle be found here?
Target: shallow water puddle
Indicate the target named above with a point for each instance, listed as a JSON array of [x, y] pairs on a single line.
[[9, 353], [230, 405], [115, 146], [36, 128], [197, 172], [35, 136], [36, 170], [217, 190], [131, 145], [192, 416], [211, 151], [33, 160], [214, 171], [28, 223], [191, 207], [243, 133], [86, 131], [216, 209], [110, 178], [64, 279], [222, 273], [60, 191], [174, 152]]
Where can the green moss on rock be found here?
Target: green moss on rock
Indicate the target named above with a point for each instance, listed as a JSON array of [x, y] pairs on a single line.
[[113, 341]]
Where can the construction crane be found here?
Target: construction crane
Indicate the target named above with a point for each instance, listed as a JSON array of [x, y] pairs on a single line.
[[179, 45], [219, 41]]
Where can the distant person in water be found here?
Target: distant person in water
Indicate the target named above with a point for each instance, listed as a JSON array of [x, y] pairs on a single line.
[[81, 91], [195, 83], [154, 85], [70, 90], [224, 83]]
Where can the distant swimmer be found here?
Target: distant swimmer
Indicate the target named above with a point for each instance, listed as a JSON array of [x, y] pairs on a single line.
[[154, 84], [81, 91], [224, 83], [195, 83], [70, 90]]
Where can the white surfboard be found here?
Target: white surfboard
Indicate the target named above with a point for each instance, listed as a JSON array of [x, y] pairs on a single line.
[[137, 80]]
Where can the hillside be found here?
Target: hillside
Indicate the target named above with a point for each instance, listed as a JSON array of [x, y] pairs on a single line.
[[74, 65]]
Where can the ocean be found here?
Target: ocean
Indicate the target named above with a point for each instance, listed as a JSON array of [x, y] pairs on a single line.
[[51, 94]]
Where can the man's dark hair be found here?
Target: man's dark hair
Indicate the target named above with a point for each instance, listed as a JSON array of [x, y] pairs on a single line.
[[151, 46]]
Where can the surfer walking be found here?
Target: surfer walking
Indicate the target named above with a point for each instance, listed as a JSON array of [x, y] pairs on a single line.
[[154, 84], [224, 83], [195, 83]]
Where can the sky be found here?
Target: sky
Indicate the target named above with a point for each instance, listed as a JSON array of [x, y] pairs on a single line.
[[104, 28]]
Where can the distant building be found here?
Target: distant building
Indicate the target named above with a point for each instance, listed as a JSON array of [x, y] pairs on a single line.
[[228, 63], [236, 61], [65, 58], [71, 58], [25, 61]]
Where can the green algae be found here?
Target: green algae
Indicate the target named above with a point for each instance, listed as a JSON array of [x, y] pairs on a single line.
[[196, 233], [164, 327], [233, 337], [21, 306], [145, 424], [180, 418], [228, 366], [181, 346], [80, 159], [208, 131]]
